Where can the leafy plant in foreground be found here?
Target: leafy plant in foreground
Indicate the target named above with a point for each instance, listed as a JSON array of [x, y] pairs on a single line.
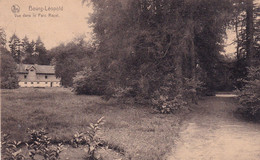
[[78, 138], [93, 141], [90, 138], [10, 150], [39, 144]]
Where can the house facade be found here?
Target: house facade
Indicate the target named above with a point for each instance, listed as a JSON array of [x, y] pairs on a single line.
[[37, 76]]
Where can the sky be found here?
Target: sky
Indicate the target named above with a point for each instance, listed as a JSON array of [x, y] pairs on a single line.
[[231, 36], [55, 21]]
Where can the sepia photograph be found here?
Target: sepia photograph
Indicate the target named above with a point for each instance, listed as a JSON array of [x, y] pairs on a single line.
[[130, 79]]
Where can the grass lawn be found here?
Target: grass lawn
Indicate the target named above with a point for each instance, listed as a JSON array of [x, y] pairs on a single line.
[[140, 132]]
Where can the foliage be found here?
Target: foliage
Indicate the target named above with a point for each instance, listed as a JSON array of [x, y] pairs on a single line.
[[165, 105], [9, 79], [90, 82], [78, 139], [15, 47], [169, 97], [121, 93], [90, 138], [27, 52], [70, 59], [93, 141], [10, 150], [150, 39], [2, 37], [39, 144], [41, 51], [194, 88], [249, 96], [246, 26]]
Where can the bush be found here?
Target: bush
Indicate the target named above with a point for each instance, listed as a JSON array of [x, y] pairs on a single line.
[[166, 106], [9, 79], [249, 96], [90, 82], [170, 98]]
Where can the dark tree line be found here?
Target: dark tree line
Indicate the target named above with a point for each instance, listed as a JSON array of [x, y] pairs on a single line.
[[70, 59], [150, 48], [9, 80], [24, 51], [163, 49], [247, 29], [247, 63]]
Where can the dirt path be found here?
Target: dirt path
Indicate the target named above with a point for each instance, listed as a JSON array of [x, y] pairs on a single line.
[[213, 133]]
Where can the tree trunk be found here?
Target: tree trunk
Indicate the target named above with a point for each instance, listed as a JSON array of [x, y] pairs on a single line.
[[192, 53], [249, 31], [237, 38], [178, 72]]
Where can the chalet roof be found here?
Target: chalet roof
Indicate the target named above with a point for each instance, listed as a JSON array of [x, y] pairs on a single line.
[[40, 69]]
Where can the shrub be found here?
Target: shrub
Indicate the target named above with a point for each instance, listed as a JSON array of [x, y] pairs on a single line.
[[165, 99], [171, 97], [193, 89], [90, 82], [249, 96], [165, 105]]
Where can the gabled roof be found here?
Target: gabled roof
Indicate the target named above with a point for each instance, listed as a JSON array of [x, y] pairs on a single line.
[[40, 69]]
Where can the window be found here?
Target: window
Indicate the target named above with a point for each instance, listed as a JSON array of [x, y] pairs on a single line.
[[46, 77], [38, 82], [31, 70], [25, 76], [31, 82], [46, 82], [25, 82]]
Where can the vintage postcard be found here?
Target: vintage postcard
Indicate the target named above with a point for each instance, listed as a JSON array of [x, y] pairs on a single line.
[[130, 79]]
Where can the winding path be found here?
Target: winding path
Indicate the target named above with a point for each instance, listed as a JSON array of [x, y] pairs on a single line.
[[213, 133]]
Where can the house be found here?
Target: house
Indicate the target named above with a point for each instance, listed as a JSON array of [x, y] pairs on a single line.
[[33, 75]]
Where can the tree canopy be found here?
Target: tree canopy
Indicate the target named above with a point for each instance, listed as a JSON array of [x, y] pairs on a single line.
[[9, 79], [24, 51], [70, 59], [142, 43]]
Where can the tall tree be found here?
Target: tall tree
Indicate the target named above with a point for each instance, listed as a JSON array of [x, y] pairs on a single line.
[[247, 43], [42, 52], [2, 37], [70, 59], [249, 31], [143, 42], [9, 79], [15, 46], [30, 56]]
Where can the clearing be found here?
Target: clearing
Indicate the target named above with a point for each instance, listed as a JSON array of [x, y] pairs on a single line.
[[136, 130]]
